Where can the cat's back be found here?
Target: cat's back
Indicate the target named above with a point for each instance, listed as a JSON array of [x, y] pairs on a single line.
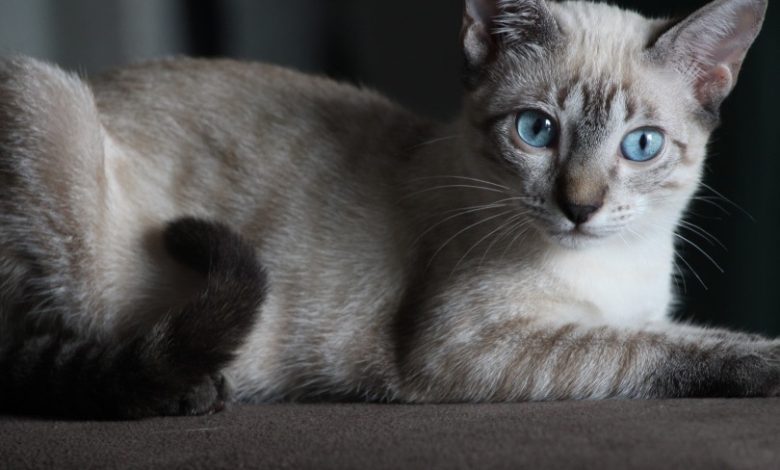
[[228, 98], [210, 85], [231, 139]]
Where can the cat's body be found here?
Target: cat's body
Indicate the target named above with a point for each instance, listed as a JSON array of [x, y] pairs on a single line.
[[406, 260]]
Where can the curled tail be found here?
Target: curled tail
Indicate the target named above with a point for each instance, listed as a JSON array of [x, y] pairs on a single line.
[[170, 369]]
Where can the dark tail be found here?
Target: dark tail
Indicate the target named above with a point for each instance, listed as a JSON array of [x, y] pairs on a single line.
[[170, 369]]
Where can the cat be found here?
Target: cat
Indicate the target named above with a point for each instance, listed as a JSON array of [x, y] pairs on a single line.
[[184, 233]]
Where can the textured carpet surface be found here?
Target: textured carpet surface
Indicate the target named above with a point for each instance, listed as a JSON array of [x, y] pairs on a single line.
[[686, 434]]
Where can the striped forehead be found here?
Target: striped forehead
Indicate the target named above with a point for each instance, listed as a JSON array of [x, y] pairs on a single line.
[[601, 101], [598, 63]]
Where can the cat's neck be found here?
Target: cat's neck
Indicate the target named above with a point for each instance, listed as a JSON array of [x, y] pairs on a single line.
[[628, 280]]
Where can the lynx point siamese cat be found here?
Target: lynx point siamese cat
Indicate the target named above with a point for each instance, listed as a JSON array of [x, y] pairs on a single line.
[[171, 225]]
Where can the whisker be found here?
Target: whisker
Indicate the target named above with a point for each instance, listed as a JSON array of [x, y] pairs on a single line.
[[705, 199], [465, 178], [680, 276], [703, 216], [732, 203], [500, 201], [525, 226], [507, 229], [702, 233], [476, 224], [693, 271], [712, 202], [451, 186], [434, 141], [479, 242], [700, 250], [623, 239], [461, 213]]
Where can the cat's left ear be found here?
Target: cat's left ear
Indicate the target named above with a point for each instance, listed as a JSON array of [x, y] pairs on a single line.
[[710, 45]]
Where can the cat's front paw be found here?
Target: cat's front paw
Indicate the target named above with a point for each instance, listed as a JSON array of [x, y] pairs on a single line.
[[774, 360], [208, 397], [736, 370], [753, 374], [752, 370]]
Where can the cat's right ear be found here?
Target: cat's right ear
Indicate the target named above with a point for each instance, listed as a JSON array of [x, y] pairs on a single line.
[[492, 25]]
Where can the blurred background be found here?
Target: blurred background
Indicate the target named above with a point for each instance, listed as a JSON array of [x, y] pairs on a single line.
[[409, 50]]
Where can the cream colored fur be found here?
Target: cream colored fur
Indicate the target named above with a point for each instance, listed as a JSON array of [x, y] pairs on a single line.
[[403, 255]]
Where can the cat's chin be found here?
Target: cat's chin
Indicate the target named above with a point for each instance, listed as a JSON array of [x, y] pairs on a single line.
[[576, 238]]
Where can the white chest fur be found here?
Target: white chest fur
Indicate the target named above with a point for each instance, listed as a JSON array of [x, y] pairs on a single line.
[[618, 284]]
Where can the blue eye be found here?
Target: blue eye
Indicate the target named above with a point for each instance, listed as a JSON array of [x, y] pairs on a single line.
[[642, 145], [536, 128]]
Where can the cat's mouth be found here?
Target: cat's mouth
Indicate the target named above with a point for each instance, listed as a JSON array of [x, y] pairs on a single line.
[[578, 236], [561, 231]]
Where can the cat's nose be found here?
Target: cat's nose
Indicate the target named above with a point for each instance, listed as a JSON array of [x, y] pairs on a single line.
[[579, 213], [580, 194]]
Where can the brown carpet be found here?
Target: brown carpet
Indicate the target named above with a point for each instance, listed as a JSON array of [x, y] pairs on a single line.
[[686, 434]]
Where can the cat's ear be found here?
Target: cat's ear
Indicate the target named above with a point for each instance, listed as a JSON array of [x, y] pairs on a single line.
[[710, 45], [492, 25]]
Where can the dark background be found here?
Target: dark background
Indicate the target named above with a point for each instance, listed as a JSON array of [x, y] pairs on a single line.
[[409, 50]]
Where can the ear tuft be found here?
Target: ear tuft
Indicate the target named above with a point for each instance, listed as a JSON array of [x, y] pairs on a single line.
[[710, 45]]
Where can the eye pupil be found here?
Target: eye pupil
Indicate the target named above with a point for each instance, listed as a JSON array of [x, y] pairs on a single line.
[[643, 141], [539, 125]]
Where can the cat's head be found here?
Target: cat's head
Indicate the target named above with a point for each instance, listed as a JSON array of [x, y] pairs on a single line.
[[597, 117]]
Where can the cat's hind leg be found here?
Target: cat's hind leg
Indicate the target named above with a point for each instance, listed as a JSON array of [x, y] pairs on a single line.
[[52, 190], [171, 369], [56, 354]]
